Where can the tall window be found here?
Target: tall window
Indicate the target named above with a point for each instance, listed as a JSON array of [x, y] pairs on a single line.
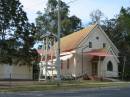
[[109, 66], [61, 64], [104, 45], [68, 63], [90, 44]]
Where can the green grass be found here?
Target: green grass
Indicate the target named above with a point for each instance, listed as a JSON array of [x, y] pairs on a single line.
[[64, 85]]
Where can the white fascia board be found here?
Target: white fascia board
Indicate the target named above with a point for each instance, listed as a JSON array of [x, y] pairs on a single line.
[[67, 53], [108, 39]]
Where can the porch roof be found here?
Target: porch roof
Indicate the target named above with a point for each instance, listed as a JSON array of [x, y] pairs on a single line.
[[98, 52]]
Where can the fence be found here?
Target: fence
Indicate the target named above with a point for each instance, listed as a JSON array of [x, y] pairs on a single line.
[[14, 76]]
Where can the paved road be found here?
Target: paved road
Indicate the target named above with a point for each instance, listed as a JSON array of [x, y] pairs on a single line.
[[100, 92]]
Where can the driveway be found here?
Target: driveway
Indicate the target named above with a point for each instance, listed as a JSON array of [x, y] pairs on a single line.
[[93, 92]]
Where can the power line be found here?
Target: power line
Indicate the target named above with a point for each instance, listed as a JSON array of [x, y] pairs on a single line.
[[72, 1]]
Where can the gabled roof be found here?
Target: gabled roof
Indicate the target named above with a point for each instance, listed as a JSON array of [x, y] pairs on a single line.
[[71, 41]]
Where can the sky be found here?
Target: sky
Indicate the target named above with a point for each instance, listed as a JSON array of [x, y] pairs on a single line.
[[80, 8]]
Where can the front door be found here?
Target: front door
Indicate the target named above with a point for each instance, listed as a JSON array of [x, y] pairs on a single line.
[[94, 68]]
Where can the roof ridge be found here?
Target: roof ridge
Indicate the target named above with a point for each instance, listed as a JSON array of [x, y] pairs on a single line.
[[91, 27], [71, 41]]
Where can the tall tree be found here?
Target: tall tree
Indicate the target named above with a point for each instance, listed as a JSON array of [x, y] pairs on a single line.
[[123, 24], [47, 21], [118, 30], [17, 35]]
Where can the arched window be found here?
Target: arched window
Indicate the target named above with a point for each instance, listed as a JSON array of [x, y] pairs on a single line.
[[109, 66]]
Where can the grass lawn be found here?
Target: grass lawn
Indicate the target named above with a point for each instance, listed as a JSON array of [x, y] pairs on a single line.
[[63, 85]]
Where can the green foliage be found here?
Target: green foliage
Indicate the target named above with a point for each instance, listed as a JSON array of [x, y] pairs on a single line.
[[47, 21], [17, 35], [118, 30]]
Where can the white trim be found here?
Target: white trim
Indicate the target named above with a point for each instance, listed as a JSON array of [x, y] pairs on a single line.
[[108, 39], [102, 31], [67, 53], [85, 37], [66, 57]]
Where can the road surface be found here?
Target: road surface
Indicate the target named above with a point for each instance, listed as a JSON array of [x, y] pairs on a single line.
[[94, 92]]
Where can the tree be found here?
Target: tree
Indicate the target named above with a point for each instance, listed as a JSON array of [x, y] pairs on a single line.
[[109, 26], [47, 21], [17, 35], [96, 16], [118, 29], [123, 23]]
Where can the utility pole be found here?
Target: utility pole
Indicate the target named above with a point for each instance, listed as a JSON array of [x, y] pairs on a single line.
[[46, 56], [123, 71], [58, 63]]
